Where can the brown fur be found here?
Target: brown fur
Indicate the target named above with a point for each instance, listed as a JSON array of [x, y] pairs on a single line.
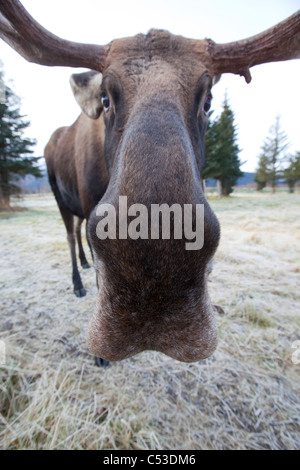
[[149, 146]]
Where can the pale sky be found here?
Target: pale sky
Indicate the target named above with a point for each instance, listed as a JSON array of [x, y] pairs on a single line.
[[47, 99]]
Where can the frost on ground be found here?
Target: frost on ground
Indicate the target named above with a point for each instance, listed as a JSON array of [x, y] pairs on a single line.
[[246, 396]]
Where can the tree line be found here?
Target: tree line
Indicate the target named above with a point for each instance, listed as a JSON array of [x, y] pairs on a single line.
[[274, 163], [222, 155], [222, 161], [15, 148], [222, 151]]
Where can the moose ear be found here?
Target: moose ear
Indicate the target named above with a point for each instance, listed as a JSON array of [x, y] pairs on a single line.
[[86, 89], [216, 79]]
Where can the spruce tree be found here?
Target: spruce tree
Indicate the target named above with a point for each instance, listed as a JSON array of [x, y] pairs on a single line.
[[15, 148], [261, 174], [292, 172], [272, 156], [222, 160]]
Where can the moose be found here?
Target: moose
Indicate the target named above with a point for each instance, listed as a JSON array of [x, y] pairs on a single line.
[[145, 104]]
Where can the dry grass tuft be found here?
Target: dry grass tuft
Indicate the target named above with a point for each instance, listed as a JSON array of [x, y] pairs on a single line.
[[246, 396]]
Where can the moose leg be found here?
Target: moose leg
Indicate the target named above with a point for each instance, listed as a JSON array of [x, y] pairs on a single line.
[[82, 256], [88, 240], [101, 362], [68, 219]]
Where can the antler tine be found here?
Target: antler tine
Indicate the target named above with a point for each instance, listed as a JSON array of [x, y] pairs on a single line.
[[36, 44], [281, 42]]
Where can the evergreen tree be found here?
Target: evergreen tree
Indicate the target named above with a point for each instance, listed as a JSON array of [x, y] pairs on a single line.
[[292, 172], [15, 149], [272, 156], [212, 164], [261, 175], [222, 160]]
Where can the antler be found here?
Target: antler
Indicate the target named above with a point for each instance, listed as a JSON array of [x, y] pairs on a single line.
[[38, 45], [281, 42]]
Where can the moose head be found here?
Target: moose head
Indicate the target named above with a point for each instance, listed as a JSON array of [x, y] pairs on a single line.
[[146, 107]]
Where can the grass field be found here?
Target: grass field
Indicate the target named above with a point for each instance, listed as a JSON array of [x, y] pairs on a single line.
[[246, 396]]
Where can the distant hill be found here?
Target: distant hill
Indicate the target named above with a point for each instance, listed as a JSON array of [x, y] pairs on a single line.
[[31, 184], [248, 178]]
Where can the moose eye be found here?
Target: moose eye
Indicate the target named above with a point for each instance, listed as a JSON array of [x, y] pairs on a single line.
[[105, 103], [207, 104]]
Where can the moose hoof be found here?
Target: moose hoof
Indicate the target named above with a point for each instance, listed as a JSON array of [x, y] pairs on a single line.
[[85, 266], [80, 292], [101, 362]]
